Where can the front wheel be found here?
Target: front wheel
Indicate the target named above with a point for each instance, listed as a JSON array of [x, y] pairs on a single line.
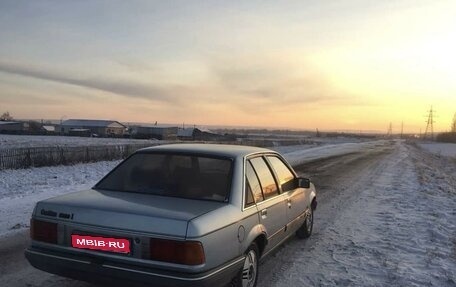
[[248, 275], [306, 228]]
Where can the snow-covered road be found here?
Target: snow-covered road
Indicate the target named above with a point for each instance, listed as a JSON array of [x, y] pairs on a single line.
[[386, 217]]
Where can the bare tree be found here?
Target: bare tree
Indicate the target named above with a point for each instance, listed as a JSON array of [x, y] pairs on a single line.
[[34, 126], [6, 116]]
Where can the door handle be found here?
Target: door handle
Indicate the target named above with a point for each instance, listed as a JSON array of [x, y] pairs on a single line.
[[264, 213]]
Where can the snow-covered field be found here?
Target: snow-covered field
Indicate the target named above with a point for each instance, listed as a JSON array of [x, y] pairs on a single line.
[[20, 189], [386, 216], [23, 141], [440, 149]]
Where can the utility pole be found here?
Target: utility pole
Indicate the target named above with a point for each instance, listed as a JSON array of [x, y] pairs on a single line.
[[402, 129], [430, 125]]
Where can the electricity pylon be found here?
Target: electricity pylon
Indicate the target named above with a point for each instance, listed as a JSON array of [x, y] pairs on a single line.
[[429, 132], [390, 130]]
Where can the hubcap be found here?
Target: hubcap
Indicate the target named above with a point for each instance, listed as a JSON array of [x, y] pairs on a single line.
[[250, 269]]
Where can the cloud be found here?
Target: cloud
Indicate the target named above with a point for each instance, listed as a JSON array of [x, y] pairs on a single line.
[[243, 88], [116, 86], [274, 82]]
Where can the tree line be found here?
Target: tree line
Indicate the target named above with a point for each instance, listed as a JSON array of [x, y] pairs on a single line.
[[448, 137]]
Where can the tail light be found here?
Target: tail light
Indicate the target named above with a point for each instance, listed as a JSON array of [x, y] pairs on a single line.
[[180, 252], [43, 231]]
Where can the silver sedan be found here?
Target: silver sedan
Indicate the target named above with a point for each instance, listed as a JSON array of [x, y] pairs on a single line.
[[175, 215]]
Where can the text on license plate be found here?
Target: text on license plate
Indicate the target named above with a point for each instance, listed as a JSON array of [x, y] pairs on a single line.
[[100, 243]]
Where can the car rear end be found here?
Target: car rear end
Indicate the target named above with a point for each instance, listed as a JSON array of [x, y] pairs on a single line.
[[64, 243], [130, 236]]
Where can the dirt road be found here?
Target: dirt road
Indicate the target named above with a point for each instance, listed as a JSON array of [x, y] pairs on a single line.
[[385, 217]]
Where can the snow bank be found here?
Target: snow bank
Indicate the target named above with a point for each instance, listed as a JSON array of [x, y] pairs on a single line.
[[302, 156], [440, 149]]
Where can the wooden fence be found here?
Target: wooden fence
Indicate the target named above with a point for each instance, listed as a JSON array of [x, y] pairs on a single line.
[[16, 158], [50, 156]]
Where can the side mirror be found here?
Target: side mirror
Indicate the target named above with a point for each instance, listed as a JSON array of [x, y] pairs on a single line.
[[303, 182]]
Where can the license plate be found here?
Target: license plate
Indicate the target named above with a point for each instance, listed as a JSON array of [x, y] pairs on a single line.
[[118, 245]]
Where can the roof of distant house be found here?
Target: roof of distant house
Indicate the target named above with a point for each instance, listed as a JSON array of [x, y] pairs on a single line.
[[90, 123], [188, 132], [49, 128]]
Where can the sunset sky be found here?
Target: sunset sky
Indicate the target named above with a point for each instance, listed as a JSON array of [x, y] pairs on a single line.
[[331, 65]]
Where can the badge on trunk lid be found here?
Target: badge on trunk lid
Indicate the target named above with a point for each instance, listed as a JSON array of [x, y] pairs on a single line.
[[118, 245]]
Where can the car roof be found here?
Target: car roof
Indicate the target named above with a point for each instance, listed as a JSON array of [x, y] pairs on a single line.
[[224, 150]]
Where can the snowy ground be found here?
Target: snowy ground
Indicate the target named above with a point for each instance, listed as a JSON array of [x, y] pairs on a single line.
[[20, 189], [440, 149], [301, 156], [23, 141], [386, 217]]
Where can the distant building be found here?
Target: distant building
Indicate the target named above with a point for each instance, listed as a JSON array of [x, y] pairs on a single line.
[[185, 134], [8, 127], [100, 128], [153, 131], [198, 134]]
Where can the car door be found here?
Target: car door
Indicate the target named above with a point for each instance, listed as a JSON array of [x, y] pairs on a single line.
[[295, 197], [270, 203]]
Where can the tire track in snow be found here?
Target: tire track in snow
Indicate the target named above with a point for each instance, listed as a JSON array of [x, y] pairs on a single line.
[[338, 182], [389, 228]]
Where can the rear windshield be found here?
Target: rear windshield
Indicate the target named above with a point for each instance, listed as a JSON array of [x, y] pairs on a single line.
[[177, 175]]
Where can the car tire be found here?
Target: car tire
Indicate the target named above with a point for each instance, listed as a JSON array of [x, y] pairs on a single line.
[[306, 228], [248, 275]]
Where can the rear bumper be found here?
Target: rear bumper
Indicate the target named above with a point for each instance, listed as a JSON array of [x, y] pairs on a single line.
[[115, 273]]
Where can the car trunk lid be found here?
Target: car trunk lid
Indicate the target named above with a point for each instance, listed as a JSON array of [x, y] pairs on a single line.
[[168, 216]]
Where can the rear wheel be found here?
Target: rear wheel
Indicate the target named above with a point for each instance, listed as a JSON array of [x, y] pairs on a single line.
[[248, 275], [306, 228]]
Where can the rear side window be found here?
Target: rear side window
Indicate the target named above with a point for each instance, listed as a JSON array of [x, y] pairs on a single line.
[[252, 184], [248, 200], [177, 175], [284, 174], [265, 176]]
